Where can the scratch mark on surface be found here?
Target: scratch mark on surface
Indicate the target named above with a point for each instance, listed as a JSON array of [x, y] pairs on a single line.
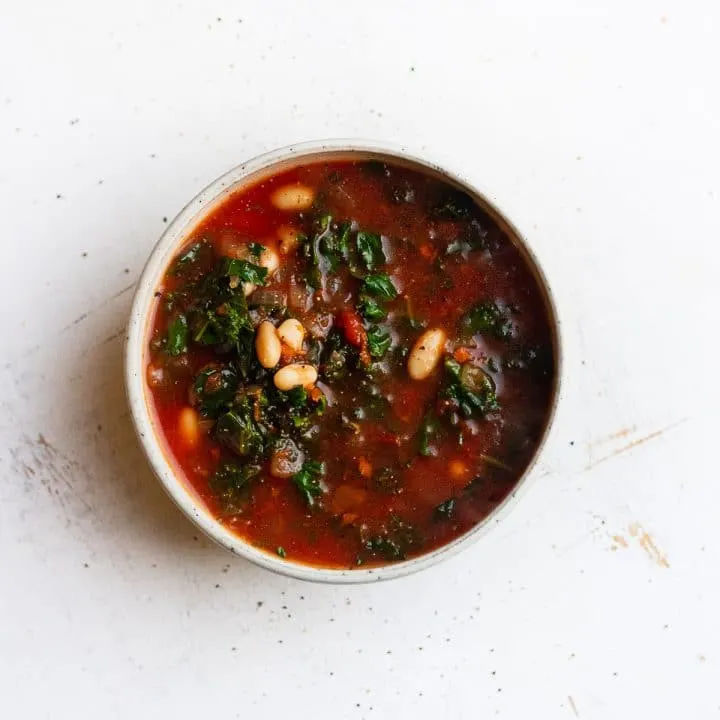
[[634, 444], [646, 542], [121, 292], [573, 707], [75, 322], [39, 461], [652, 550], [622, 433], [112, 337]]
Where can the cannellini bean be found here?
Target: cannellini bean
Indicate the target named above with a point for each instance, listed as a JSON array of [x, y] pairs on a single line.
[[293, 198], [426, 353], [292, 333], [295, 375], [269, 259], [188, 426], [267, 345], [233, 245], [289, 238]]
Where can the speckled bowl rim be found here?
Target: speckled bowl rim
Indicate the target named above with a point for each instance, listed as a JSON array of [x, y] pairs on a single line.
[[136, 359]]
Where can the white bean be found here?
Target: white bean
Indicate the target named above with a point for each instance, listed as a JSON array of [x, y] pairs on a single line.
[[289, 238], [293, 198], [426, 353], [267, 345], [295, 375], [292, 333], [269, 259], [188, 427]]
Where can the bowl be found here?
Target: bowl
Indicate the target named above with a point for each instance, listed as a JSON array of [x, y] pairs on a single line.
[[138, 329]]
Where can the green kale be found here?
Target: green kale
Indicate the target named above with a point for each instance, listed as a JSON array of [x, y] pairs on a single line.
[[224, 324], [427, 433], [370, 309], [280, 550], [256, 249], [369, 246], [245, 271], [454, 205], [446, 509], [336, 365], [394, 542], [239, 432], [311, 250], [307, 481], [487, 319], [219, 313], [379, 341], [215, 388], [380, 286], [177, 336], [297, 397], [230, 484], [334, 246], [473, 236], [338, 356], [470, 389], [189, 257]]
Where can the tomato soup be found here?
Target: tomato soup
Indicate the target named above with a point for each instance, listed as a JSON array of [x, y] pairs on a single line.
[[351, 363]]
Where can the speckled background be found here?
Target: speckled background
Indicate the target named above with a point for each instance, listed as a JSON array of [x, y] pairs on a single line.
[[595, 127]]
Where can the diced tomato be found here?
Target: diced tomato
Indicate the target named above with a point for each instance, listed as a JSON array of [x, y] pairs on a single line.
[[365, 467], [355, 334], [427, 251], [462, 355]]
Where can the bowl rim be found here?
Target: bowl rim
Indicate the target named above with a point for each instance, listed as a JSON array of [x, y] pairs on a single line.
[[135, 356]]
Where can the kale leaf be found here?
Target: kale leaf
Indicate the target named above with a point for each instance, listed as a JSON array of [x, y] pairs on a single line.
[[369, 246], [245, 271], [446, 509], [380, 286], [230, 483], [379, 341], [177, 336], [307, 481], [470, 389], [215, 388], [487, 318], [188, 257], [454, 205], [371, 309], [427, 433], [394, 542], [239, 432]]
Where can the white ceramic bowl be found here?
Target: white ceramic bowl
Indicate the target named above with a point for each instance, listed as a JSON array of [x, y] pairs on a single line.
[[136, 348]]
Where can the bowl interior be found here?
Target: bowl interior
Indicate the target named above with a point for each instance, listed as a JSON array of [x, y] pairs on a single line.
[[142, 409]]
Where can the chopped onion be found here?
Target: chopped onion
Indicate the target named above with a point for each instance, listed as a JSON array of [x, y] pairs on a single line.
[[267, 298], [297, 297]]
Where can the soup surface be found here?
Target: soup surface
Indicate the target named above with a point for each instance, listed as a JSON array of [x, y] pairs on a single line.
[[350, 363]]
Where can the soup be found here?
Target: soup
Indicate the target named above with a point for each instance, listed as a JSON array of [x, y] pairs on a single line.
[[351, 363]]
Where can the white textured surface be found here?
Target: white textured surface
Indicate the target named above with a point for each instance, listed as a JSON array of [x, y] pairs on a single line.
[[596, 126]]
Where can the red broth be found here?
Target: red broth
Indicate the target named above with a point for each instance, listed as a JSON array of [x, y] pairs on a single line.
[[364, 465]]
